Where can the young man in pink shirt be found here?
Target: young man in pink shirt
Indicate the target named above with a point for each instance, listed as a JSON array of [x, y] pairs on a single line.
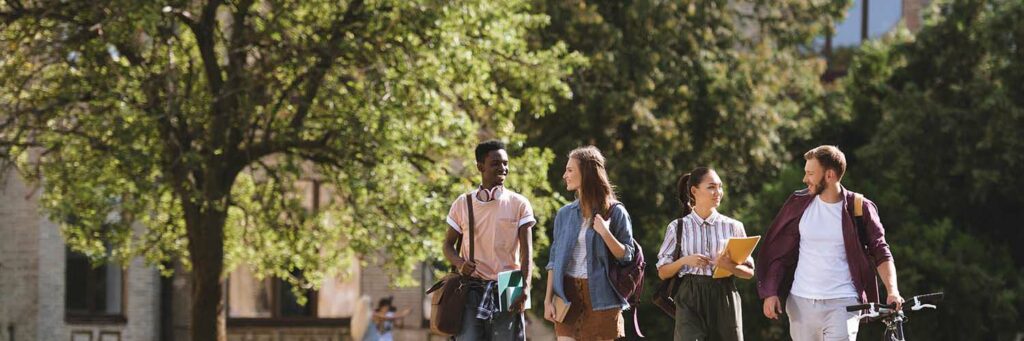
[[503, 238]]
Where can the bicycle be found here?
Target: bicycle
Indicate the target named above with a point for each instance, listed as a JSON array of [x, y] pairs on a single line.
[[892, 318]]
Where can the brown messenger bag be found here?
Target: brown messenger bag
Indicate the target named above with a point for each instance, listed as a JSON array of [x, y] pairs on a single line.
[[448, 300]]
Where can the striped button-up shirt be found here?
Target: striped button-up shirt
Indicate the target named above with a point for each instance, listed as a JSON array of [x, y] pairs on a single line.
[[703, 236]]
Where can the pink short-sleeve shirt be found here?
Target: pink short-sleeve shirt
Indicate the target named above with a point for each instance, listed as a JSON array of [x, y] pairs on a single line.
[[497, 230]]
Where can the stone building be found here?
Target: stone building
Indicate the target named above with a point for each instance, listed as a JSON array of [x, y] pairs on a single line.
[[48, 292]]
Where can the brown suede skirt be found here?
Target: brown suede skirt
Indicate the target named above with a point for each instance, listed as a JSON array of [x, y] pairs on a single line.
[[582, 322]]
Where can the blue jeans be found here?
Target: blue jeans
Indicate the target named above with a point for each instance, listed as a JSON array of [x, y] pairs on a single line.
[[505, 326]]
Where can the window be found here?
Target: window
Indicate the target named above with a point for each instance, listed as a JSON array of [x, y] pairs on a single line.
[[336, 297], [92, 293], [271, 302], [249, 297], [287, 301], [855, 27]]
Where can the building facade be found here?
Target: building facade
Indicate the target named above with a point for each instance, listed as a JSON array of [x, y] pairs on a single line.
[[48, 292]]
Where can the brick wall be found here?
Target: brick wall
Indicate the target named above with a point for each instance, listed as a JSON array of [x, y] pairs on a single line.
[[32, 279], [912, 13], [19, 242]]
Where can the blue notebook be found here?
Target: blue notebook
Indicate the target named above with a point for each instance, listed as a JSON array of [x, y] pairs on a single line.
[[510, 287]]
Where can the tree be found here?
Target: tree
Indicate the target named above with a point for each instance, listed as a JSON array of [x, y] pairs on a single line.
[[673, 85], [956, 86], [940, 114], [198, 119]]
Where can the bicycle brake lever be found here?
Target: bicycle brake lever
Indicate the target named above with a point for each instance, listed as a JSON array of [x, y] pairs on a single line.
[[872, 312], [918, 306]]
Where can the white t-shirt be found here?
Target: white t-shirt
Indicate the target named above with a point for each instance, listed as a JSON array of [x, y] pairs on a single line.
[[578, 262], [822, 271]]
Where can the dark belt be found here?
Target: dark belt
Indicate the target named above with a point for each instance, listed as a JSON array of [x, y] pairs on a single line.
[[703, 278], [476, 283]]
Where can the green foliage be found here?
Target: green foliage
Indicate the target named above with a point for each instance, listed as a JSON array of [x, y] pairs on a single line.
[[677, 84], [940, 113], [936, 257], [673, 85], [929, 123], [955, 88], [150, 126], [195, 130]]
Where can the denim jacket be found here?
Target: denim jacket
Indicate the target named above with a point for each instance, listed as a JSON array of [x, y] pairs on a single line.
[[568, 222]]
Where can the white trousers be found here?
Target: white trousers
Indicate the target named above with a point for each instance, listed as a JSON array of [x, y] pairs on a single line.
[[819, 320]]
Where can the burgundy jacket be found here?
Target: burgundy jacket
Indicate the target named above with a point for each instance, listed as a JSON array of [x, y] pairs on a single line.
[[776, 261]]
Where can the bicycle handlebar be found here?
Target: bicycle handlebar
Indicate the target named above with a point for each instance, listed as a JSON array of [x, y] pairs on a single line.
[[918, 302], [929, 298], [859, 307]]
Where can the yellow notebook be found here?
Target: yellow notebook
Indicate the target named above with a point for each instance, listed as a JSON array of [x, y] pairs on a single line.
[[739, 249]]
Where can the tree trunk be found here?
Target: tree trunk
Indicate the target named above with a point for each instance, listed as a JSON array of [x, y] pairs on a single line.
[[206, 251]]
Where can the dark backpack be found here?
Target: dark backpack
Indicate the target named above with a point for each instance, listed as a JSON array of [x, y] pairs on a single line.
[[628, 280]]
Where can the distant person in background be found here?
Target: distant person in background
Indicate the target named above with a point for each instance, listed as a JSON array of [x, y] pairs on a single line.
[[384, 319]]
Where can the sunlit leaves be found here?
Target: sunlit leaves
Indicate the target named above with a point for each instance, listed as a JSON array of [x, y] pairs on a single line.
[[131, 114]]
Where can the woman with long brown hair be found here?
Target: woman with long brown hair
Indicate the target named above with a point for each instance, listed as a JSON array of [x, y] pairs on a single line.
[[590, 233]]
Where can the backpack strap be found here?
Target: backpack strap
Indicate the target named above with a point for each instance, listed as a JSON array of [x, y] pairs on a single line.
[[636, 322], [858, 219], [608, 215], [679, 240], [862, 233], [858, 205], [636, 310]]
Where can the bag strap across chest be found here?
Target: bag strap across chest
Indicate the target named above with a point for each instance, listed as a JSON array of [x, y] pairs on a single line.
[[472, 226], [679, 240]]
